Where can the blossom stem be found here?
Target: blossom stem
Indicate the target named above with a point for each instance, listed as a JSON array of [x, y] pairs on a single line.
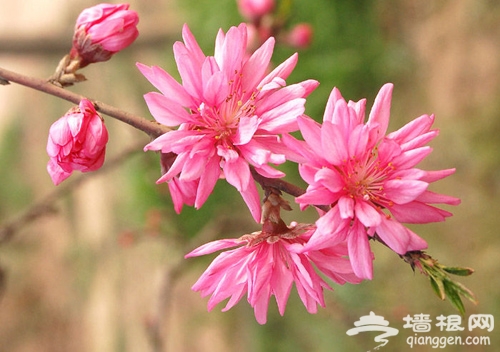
[[282, 186], [277, 184], [152, 128]]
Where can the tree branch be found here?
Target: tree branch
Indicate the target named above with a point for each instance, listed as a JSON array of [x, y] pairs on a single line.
[[282, 186], [45, 206], [152, 128]]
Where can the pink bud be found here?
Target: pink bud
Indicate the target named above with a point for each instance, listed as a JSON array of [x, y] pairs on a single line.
[[77, 141], [300, 36], [252, 9], [103, 30]]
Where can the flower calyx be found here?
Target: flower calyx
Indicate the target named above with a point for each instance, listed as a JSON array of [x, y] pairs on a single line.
[[273, 226]]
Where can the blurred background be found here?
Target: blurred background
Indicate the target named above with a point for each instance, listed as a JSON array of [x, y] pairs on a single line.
[[101, 268]]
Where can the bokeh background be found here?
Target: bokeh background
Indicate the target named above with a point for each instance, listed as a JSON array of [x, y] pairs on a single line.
[[101, 268]]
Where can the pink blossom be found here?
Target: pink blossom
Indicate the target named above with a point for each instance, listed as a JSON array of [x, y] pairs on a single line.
[[229, 111], [77, 141], [253, 9], [300, 36], [103, 30], [264, 265], [369, 179]]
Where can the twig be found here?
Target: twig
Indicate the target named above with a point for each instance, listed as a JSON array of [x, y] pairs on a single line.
[[159, 326], [152, 128], [45, 206], [282, 186]]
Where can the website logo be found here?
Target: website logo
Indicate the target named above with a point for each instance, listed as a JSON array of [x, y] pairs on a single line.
[[452, 329], [374, 322]]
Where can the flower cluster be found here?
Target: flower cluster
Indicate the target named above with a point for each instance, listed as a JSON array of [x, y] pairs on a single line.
[[231, 117]]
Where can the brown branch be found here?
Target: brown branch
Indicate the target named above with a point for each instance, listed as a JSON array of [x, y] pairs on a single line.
[[159, 326], [45, 206], [152, 128], [277, 183], [282, 186]]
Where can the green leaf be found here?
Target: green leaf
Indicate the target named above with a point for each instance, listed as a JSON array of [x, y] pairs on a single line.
[[453, 296], [438, 287], [464, 291], [455, 270]]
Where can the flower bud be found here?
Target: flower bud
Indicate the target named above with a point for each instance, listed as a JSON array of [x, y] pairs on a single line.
[[77, 141], [103, 30], [252, 9], [300, 36]]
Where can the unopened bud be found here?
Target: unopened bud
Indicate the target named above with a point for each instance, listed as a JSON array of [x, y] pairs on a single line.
[[253, 9], [300, 36], [103, 30]]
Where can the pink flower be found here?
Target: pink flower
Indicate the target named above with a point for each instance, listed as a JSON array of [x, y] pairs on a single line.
[[253, 9], [229, 112], [77, 141], [264, 265], [103, 30], [300, 36], [369, 179]]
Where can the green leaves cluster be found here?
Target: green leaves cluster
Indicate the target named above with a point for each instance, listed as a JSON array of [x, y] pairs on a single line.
[[441, 282]]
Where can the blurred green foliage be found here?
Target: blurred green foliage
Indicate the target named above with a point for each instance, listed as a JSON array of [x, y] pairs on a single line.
[[14, 191]]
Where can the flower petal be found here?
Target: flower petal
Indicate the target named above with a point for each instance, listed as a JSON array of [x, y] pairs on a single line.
[[367, 214], [360, 254], [394, 235], [330, 179], [254, 69], [166, 84], [207, 181], [346, 207], [212, 247], [246, 130], [165, 111], [333, 144], [381, 109], [404, 191]]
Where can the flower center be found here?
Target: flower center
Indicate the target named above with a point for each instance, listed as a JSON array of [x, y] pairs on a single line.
[[221, 121], [364, 178]]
